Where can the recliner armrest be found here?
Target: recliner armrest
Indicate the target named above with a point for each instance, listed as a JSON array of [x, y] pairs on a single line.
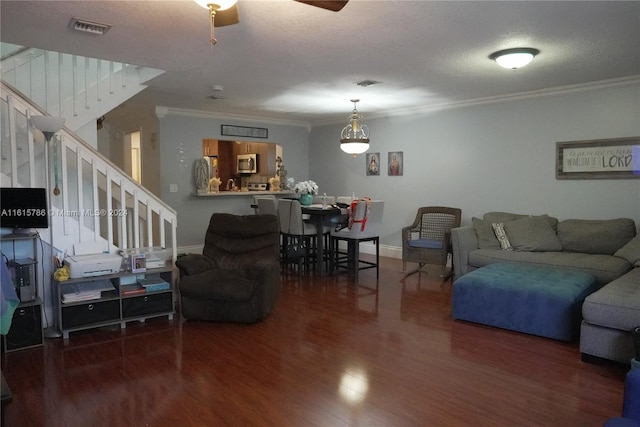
[[194, 264]]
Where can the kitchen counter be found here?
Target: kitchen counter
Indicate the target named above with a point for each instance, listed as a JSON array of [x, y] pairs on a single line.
[[243, 193]]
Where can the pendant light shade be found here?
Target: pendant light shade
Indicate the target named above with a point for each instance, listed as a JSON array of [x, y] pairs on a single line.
[[354, 138]]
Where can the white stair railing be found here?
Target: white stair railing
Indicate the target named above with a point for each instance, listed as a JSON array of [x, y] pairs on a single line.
[[98, 201], [71, 86]]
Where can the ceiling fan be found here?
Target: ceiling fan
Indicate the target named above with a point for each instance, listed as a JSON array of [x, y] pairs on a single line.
[[225, 12]]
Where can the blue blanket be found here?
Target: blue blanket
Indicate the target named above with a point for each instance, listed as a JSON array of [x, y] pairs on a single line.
[[8, 298]]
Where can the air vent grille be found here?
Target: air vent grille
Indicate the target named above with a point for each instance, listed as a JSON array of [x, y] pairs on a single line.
[[86, 26]]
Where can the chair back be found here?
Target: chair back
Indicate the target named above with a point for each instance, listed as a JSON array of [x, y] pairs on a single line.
[[437, 221], [236, 242], [267, 206], [366, 220], [290, 215]]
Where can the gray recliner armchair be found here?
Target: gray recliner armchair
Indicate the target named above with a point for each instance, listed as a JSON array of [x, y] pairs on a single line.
[[237, 277]]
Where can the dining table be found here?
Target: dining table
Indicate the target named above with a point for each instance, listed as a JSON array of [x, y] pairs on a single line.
[[318, 216]]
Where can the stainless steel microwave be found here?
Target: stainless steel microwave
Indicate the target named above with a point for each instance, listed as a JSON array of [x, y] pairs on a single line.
[[247, 163]]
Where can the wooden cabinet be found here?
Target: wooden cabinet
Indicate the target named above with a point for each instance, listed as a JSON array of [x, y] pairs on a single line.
[[226, 151], [115, 306]]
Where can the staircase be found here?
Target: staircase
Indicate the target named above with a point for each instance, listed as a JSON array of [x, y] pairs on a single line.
[[98, 203], [78, 88]]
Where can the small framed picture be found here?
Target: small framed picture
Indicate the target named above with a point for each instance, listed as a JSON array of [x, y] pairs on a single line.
[[373, 164], [138, 263], [395, 163]]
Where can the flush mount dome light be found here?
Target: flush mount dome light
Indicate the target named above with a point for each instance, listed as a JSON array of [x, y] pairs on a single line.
[[514, 58]]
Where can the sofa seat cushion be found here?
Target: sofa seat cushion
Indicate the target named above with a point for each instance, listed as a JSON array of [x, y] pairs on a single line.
[[218, 284], [543, 301], [604, 268], [616, 305]]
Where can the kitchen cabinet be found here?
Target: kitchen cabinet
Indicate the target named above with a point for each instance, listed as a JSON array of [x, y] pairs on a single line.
[[223, 150], [227, 151]]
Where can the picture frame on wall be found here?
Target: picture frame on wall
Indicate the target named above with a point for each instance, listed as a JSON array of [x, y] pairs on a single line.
[[373, 164], [396, 163], [617, 158]]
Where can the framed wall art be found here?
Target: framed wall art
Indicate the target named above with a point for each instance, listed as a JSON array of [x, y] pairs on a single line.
[[229, 130], [598, 159], [373, 164], [395, 163]]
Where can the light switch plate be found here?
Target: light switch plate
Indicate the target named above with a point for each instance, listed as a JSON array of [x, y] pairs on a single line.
[[173, 188]]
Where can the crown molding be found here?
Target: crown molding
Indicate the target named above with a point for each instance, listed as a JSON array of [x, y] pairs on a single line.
[[162, 111], [553, 91]]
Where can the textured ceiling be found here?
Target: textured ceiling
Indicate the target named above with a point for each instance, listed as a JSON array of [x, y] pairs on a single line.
[[291, 61]]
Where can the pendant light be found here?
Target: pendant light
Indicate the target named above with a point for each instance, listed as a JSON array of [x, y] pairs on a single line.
[[215, 6], [354, 138]]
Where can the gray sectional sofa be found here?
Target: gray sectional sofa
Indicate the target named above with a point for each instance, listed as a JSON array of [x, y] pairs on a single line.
[[607, 249]]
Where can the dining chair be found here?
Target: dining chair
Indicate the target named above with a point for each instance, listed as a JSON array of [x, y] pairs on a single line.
[[271, 197], [365, 225], [267, 206], [293, 228]]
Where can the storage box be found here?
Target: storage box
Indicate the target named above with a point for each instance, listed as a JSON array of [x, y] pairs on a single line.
[[155, 257]]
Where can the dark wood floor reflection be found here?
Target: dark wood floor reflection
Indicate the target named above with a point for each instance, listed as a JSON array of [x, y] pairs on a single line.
[[331, 354]]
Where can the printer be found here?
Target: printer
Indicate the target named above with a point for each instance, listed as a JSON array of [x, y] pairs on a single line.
[[93, 265]]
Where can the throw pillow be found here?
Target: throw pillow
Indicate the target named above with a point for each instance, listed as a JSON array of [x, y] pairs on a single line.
[[603, 237], [533, 234], [486, 237], [631, 251], [498, 229]]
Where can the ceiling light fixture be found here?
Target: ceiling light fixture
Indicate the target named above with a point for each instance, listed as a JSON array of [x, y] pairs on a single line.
[[215, 6], [354, 138], [514, 58]]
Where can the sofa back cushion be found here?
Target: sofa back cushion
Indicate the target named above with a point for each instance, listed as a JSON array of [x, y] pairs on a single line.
[[484, 230], [595, 236], [486, 236], [533, 234]]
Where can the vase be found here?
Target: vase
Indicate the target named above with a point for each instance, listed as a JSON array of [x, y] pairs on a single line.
[[306, 199]]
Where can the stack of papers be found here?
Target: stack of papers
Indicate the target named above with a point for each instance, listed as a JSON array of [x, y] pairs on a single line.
[[85, 291]]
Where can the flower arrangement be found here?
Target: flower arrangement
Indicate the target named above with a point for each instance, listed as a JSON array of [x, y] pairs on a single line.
[[306, 187]]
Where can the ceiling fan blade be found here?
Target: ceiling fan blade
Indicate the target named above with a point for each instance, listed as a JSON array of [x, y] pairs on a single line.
[[227, 16], [333, 5]]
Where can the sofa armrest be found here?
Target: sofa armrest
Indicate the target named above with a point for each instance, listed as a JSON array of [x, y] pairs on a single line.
[[194, 264], [463, 241]]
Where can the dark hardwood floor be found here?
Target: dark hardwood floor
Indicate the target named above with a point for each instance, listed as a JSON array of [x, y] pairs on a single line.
[[331, 354]]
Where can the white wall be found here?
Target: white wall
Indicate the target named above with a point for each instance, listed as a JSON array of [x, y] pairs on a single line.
[[487, 157], [111, 142], [194, 212]]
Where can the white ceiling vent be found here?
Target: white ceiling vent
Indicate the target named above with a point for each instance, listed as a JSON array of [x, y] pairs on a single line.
[[86, 26], [367, 83]]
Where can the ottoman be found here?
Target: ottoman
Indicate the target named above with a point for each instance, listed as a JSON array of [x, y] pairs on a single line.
[[544, 301]]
